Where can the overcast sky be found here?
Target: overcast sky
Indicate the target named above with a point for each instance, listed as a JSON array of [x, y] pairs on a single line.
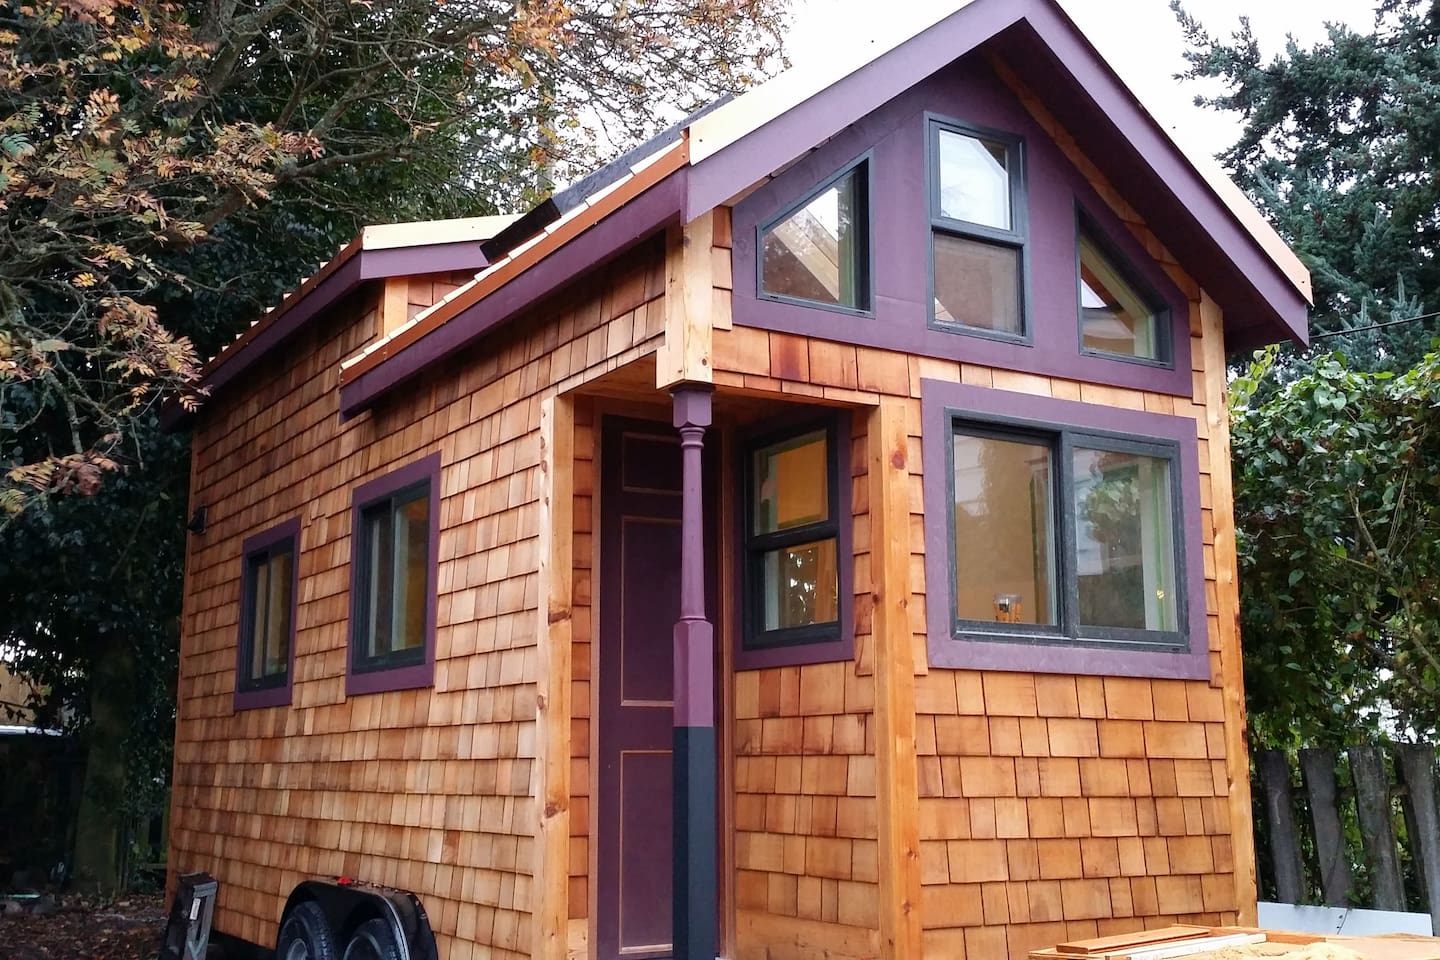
[[1140, 38]]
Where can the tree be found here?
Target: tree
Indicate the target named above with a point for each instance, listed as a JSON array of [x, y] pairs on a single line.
[[134, 129], [1338, 150], [233, 146], [1339, 517]]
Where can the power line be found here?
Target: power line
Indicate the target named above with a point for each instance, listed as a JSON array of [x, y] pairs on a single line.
[[1375, 326]]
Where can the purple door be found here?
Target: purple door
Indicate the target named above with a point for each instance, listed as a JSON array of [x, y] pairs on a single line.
[[638, 589]]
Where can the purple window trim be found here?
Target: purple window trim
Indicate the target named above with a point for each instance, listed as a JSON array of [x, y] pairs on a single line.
[[898, 137], [940, 402], [410, 676], [842, 648], [279, 694]]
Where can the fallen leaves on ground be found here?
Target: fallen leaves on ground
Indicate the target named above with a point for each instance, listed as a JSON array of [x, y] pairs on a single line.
[[126, 929]]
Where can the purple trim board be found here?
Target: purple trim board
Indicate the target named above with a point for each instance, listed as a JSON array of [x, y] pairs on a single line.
[[414, 675], [940, 401], [897, 138], [279, 695]]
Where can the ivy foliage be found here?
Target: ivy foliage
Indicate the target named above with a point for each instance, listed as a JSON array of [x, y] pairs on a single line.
[[1337, 507]]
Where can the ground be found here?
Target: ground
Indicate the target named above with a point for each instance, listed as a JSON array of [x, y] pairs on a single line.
[[126, 929]]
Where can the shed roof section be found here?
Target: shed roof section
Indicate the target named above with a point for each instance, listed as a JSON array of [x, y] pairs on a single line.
[[719, 154]]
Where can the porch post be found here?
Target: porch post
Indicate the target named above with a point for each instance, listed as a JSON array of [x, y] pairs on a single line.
[[694, 737]]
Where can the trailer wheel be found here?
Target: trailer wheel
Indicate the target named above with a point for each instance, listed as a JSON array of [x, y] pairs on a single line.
[[305, 935], [373, 940]]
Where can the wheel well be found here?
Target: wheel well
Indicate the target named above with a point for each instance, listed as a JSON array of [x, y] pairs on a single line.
[[346, 905]]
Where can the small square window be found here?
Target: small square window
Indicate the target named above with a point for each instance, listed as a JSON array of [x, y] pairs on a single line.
[[792, 575], [974, 180], [392, 619], [1116, 318], [819, 252], [978, 231], [268, 588]]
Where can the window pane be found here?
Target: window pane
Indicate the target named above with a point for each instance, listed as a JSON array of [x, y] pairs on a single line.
[[819, 251], [411, 568], [974, 180], [801, 585], [792, 484], [1113, 317], [977, 284], [1125, 555], [1004, 531], [260, 591], [277, 639], [380, 585]]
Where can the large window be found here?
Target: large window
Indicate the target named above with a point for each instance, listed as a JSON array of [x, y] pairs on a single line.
[[1119, 317], [393, 577], [792, 549], [978, 228], [818, 252], [1064, 535], [268, 587]]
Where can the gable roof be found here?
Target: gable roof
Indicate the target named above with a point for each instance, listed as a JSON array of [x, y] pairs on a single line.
[[713, 157]]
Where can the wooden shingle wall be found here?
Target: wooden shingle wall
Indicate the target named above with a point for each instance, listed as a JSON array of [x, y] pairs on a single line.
[[428, 790], [1051, 807], [806, 855]]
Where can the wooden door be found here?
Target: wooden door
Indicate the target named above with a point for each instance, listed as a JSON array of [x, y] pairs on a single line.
[[638, 591]]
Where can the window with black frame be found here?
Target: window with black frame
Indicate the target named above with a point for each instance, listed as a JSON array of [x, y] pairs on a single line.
[[394, 551], [1119, 316], [818, 252], [267, 615], [978, 230], [791, 559], [1064, 535]]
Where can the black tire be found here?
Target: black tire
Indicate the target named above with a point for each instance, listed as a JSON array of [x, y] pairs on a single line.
[[372, 940], [306, 935]]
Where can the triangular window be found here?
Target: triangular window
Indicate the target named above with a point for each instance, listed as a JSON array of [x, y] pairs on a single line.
[[1116, 317], [819, 251]]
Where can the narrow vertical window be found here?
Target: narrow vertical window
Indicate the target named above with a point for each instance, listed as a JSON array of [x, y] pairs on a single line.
[[393, 578], [819, 251], [268, 586], [1117, 317], [978, 230], [792, 533]]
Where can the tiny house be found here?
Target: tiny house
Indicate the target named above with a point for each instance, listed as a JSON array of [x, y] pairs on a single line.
[[810, 536]]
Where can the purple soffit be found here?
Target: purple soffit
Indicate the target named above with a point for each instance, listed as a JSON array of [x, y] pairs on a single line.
[[1260, 302]]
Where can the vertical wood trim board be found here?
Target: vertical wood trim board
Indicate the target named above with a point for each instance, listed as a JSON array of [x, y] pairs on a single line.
[[552, 705], [1227, 592], [896, 781], [684, 356]]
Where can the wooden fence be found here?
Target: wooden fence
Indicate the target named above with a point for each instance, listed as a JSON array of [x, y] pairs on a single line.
[[1352, 828]]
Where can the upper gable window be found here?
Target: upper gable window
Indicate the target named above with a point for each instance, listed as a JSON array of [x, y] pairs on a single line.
[[977, 216], [1116, 317], [818, 252]]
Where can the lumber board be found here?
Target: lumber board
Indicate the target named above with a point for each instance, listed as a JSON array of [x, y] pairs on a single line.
[[1227, 593], [1138, 938], [896, 789], [685, 354], [554, 633]]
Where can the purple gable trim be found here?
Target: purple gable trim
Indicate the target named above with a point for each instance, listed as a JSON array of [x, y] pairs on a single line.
[[760, 153], [414, 675], [940, 400], [364, 265], [1259, 302], [279, 695], [842, 648], [897, 138], [609, 238], [1147, 159]]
